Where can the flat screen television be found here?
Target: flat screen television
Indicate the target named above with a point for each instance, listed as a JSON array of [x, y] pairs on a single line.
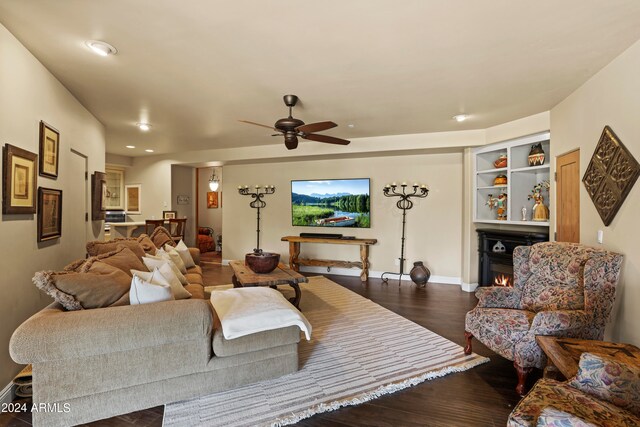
[[331, 203]]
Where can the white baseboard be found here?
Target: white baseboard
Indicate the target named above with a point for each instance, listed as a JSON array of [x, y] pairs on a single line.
[[225, 261], [447, 280], [8, 394], [469, 287]]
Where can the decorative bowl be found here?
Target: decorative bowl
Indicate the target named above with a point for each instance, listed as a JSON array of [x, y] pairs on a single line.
[[262, 262]]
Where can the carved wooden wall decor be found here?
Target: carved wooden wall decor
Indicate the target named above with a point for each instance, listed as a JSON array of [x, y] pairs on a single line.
[[610, 175]]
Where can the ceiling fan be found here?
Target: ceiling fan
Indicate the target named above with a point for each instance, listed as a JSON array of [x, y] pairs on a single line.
[[293, 128]]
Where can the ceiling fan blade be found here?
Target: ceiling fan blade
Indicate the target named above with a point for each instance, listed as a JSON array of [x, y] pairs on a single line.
[[258, 124], [326, 138], [315, 127]]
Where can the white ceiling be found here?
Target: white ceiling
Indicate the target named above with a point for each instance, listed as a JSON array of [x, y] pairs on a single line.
[[192, 68]]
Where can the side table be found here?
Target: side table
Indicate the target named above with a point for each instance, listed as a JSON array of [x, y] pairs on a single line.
[[563, 354]]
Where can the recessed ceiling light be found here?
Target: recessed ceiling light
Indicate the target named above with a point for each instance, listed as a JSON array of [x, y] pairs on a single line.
[[130, 146], [144, 126], [460, 117], [101, 48], [351, 125], [149, 150]]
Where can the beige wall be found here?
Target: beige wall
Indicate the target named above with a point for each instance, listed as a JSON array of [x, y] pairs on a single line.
[[611, 97], [433, 225], [30, 94], [182, 184], [209, 217]]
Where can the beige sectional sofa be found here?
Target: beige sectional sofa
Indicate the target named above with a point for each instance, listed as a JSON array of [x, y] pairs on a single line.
[[94, 364]]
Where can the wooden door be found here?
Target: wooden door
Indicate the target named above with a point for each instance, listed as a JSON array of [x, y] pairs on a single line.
[[568, 197]]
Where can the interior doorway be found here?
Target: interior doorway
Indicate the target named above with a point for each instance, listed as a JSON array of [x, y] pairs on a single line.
[[568, 197], [209, 212]]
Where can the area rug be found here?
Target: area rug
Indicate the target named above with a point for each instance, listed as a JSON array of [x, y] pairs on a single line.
[[359, 351]]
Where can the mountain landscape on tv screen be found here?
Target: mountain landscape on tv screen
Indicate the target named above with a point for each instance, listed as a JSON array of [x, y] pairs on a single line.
[[340, 208]]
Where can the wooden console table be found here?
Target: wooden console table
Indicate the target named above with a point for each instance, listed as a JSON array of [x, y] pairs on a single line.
[[294, 252]]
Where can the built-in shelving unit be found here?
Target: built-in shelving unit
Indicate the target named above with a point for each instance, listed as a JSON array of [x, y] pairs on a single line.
[[520, 179], [114, 199]]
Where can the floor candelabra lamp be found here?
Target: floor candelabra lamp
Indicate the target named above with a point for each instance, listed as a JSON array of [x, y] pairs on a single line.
[[404, 203], [258, 261]]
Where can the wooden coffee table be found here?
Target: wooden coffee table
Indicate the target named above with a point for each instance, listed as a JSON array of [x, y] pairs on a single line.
[[243, 276], [563, 354]]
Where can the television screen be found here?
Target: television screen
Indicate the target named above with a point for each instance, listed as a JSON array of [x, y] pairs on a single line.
[[331, 203]]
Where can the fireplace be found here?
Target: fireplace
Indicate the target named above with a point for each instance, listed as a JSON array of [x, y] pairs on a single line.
[[495, 249]]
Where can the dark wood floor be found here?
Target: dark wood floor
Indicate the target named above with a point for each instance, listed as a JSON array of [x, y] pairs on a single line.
[[482, 396]]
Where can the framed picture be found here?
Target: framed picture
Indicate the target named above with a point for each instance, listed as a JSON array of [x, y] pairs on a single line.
[[19, 180], [132, 198], [212, 199], [49, 148], [49, 214], [169, 214], [183, 200]]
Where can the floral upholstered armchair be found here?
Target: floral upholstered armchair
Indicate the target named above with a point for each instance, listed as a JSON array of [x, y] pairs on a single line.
[[560, 289]]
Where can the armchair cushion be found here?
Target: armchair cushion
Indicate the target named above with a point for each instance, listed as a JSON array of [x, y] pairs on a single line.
[[569, 323], [498, 297], [543, 293], [499, 335], [609, 380]]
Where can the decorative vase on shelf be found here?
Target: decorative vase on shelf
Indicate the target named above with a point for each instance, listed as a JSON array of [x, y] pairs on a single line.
[[501, 162], [536, 155], [419, 274], [500, 180]]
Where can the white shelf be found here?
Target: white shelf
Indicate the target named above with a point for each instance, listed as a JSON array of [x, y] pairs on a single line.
[[531, 168], [521, 179], [492, 170], [491, 187]]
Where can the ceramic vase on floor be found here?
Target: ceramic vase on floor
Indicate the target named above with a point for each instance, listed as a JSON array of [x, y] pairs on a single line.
[[419, 274]]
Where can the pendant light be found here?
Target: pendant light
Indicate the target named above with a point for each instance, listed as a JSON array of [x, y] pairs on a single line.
[[213, 181]]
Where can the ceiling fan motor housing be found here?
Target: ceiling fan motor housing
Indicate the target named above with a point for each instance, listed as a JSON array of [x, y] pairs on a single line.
[[288, 124]]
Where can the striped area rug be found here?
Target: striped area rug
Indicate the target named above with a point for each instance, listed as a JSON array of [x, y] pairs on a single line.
[[359, 351]]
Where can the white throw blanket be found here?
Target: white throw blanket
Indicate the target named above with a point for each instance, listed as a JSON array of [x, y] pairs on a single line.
[[245, 311]]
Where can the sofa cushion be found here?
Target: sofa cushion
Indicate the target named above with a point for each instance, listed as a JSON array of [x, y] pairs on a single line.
[[195, 270], [155, 261], [223, 347], [564, 397], [184, 253], [196, 291], [147, 244], [122, 258], [105, 286], [194, 279], [96, 247], [609, 380], [155, 289], [177, 289], [161, 236]]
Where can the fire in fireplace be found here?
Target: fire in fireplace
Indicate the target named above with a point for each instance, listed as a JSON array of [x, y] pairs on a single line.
[[503, 280]]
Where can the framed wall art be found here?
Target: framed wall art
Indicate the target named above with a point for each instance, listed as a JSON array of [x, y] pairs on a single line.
[[169, 214], [49, 148], [49, 214], [212, 199], [18, 181], [132, 198]]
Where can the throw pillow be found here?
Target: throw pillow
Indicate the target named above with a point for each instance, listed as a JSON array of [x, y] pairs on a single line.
[[245, 311], [178, 290], [161, 236], [147, 244], [122, 258], [97, 247], [174, 256], [184, 253], [157, 289], [106, 286], [156, 262], [610, 380], [552, 417]]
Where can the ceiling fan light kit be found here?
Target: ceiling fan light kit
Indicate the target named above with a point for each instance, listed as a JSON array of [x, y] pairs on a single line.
[[292, 128]]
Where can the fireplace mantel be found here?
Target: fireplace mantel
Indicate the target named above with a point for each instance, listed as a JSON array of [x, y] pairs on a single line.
[[492, 263]]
